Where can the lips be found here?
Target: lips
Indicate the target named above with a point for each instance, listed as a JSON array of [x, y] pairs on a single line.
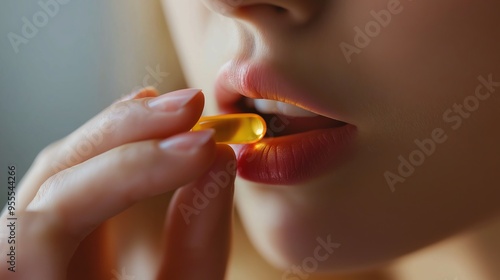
[[303, 141]]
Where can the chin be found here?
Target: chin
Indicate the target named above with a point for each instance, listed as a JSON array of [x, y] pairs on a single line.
[[290, 234]]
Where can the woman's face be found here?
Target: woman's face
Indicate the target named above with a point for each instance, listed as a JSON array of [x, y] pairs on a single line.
[[396, 145]]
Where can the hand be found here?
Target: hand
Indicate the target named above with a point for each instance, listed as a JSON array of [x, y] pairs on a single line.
[[92, 205]]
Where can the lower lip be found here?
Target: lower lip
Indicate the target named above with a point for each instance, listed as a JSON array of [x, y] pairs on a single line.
[[296, 158]]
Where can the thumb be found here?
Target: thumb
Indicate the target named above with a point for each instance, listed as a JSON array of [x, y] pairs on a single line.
[[198, 224]]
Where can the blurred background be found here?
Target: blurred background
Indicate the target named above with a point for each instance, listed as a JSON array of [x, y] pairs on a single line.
[[63, 61]]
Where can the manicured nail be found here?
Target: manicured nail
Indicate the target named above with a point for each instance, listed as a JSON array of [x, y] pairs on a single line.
[[188, 141], [138, 93], [173, 101]]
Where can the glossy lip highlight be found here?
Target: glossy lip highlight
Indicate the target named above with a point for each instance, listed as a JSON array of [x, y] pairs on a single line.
[[284, 160], [294, 158]]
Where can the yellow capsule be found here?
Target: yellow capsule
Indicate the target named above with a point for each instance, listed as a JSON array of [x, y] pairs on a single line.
[[234, 128]]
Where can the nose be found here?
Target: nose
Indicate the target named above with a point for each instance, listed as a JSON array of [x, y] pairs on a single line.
[[264, 12]]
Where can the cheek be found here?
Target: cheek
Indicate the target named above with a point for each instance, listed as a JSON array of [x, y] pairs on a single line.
[[425, 60], [433, 51], [424, 53], [411, 67]]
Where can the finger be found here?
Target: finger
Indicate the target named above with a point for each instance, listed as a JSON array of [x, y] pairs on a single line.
[[124, 122], [132, 121], [86, 195], [72, 203], [141, 93], [199, 224], [38, 173]]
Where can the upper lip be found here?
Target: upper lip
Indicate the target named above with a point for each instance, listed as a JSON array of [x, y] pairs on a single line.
[[238, 79]]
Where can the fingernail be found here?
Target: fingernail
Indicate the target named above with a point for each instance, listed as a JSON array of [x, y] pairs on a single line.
[[188, 141], [173, 101], [138, 93]]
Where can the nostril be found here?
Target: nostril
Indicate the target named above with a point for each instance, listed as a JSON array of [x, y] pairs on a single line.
[[280, 10], [263, 13], [233, 4], [267, 13]]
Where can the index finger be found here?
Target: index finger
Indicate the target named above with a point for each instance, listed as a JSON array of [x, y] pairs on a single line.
[[122, 123]]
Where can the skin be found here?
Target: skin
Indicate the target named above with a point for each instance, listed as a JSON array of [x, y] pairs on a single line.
[[115, 184], [395, 91]]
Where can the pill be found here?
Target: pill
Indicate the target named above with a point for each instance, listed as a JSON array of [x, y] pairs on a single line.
[[234, 128]]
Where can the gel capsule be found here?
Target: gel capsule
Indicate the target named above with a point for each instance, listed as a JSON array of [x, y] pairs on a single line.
[[234, 128]]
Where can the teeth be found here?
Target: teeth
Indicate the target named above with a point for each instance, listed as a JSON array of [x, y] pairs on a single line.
[[275, 107]]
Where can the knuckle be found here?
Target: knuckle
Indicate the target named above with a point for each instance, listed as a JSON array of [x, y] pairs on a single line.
[[121, 110], [49, 149], [133, 154], [109, 121], [49, 152], [138, 161], [51, 158], [53, 215], [47, 189]]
